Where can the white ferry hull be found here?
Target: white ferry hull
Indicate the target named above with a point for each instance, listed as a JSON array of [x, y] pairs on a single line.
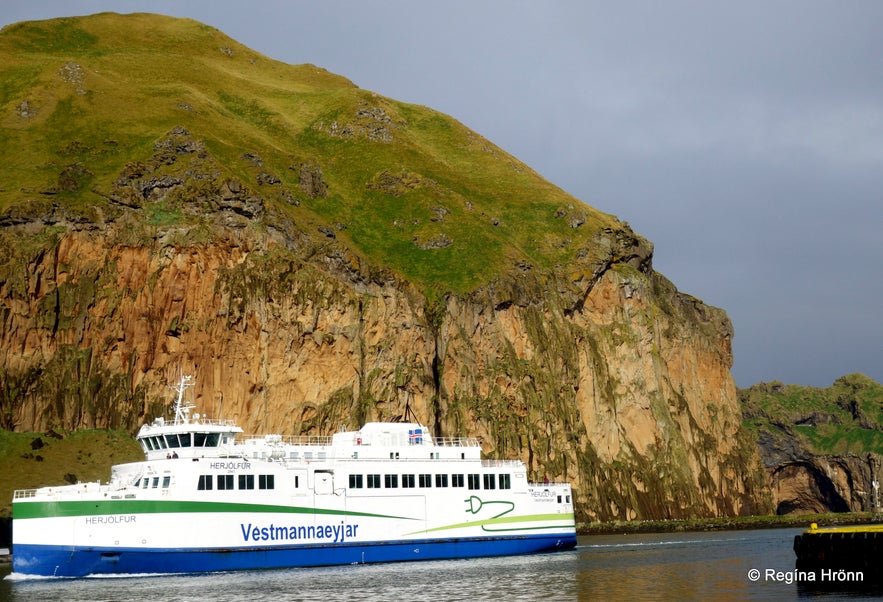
[[204, 538]]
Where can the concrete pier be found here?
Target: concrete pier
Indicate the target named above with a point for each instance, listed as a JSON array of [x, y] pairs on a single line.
[[841, 556]]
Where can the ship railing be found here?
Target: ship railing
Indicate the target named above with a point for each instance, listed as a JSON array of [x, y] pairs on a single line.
[[548, 484], [212, 421], [306, 440], [498, 463], [456, 441]]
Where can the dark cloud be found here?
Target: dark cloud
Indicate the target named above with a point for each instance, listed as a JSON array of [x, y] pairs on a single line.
[[744, 139]]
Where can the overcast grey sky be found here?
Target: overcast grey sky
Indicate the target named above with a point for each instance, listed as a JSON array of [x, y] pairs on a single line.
[[744, 139]]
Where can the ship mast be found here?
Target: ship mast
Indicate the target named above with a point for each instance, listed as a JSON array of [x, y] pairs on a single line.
[[182, 411]]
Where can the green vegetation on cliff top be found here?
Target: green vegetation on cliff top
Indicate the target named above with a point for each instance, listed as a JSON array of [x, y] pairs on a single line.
[[84, 102], [845, 418]]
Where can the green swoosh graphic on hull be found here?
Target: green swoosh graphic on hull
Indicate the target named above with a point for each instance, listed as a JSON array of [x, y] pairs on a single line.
[[499, 521]]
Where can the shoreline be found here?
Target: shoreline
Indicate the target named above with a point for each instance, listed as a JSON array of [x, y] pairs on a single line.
[[735, 523]]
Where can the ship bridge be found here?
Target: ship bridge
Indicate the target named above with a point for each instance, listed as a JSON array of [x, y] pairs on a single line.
[[188, 435]]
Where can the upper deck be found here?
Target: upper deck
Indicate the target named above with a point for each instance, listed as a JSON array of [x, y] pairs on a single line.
[[190, 435]]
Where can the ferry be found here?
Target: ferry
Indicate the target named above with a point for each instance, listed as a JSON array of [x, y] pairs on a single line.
[[207, 498]]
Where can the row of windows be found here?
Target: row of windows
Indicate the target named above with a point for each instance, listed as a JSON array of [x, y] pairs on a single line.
[[391, 481], [153, 483], [245, 481], [225, 482], [160, 442]]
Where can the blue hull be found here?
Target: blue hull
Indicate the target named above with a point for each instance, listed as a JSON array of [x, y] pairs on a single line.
[[64, 561]]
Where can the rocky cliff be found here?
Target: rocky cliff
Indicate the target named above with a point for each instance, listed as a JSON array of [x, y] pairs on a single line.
[[446, 283], [815, 484], [624, 390], [821, 448]]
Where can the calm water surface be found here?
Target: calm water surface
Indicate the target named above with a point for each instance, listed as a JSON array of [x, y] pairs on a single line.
[[684, 566]]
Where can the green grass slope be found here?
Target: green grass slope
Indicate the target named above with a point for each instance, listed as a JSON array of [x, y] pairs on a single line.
[[31, 460], [84, 101]]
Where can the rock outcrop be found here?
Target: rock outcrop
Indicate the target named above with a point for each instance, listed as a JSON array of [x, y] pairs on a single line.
[[819, 447], [824, 484]]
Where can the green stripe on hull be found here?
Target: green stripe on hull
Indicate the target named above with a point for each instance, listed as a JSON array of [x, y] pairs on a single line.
[[24, 510], [495, 522]]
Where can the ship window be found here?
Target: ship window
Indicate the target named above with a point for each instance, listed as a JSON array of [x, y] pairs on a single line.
[[474, 481], [391, 481], [296, 482], [246, 481], [308, 455], [567, 499], [441, 480], [294, 455], [199, 439], [155, 483], [559, 499], [159, 442], [172, 441], [356, 481], [145, 443], [489, 481], [266, 481], [166, 481], [225, 481], [456, 480], [426, 480], [185, 439], [408, 480], [505, 481], [205, 482], [145, 483], [373, 481]]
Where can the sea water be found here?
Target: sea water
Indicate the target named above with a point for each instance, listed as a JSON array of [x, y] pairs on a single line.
[[731, 565]]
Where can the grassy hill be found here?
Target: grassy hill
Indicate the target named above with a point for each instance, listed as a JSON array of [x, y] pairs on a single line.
[[85, 102], [845, 418], [30, 460]]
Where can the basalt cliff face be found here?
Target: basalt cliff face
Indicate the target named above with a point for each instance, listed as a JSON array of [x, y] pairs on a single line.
[[297, 313], [814, 484], [625, 391], [820, 446]]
